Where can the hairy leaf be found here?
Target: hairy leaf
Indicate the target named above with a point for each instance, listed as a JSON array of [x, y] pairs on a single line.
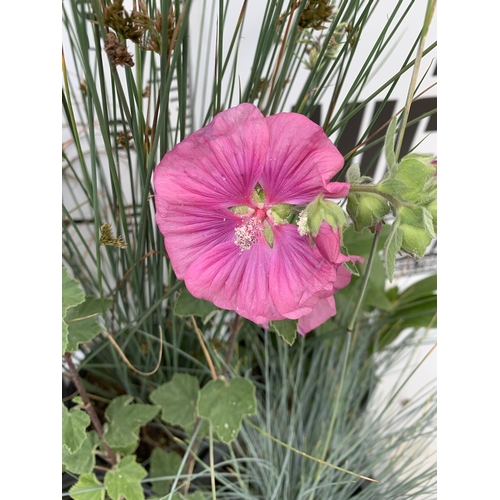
[[125, 481], [187, 305], [286, 329], [81, 461], [74, 423], [226, 403], [178, 399], [125, 421], [72, 295], [163, 463], [91, 488], [83, 321]]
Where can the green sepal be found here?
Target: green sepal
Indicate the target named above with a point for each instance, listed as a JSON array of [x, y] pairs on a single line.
[[188, 305], [418, 175], [240, 209], [269, 235], [225, 403], [315, 212], [258, 194], [125, 481], [418, 230], [281, 212], [74, 425], [178, 399], [353, 175], [286, 329], [366, 210], [334, 216]]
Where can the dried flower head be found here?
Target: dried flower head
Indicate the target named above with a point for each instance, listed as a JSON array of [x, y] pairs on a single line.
[[107, 237], [117, 52]]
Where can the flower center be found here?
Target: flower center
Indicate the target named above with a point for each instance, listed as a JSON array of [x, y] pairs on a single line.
[[258, 219]]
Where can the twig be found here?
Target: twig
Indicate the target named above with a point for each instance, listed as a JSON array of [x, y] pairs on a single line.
[[129, 364], [204, 348], [88, 407]]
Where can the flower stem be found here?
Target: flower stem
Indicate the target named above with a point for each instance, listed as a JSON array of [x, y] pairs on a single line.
[[371, 188], [366, 275], [88, 407]]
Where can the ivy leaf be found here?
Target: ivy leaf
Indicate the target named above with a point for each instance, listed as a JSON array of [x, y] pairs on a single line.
[[72, 295], [125, 421], [163, 463], [225, 404], [74, 423], [286, 329], [83, 321], [82, 461], [90, 487], [392, 247], [125, 481], [178, 399], [187, 305]]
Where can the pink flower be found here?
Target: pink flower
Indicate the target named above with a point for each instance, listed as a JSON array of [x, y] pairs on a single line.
[[222, 197]]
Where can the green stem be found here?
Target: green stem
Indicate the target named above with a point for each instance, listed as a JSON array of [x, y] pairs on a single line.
[[431, 5], [347, 347], [364, 283], [371, 188]]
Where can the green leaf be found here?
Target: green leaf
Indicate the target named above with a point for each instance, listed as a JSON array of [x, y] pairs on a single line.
[[187, 305], [286, 329], [72, 295], [81, 461], [125, 481], [90, 487], [390, 155], [125, 421], [163, 463], [83, 321], [226, 403], [74, 423], [392, 247], [178, 399]]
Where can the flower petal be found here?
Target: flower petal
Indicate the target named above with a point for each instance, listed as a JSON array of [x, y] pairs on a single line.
[[191, 232], [328, 243], [236, 280], [299, 275], [217, 166], [301, 161], [324, 309]]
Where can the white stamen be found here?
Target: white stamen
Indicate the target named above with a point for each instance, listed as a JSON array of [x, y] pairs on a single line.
[[302, 223], [246, 234]]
